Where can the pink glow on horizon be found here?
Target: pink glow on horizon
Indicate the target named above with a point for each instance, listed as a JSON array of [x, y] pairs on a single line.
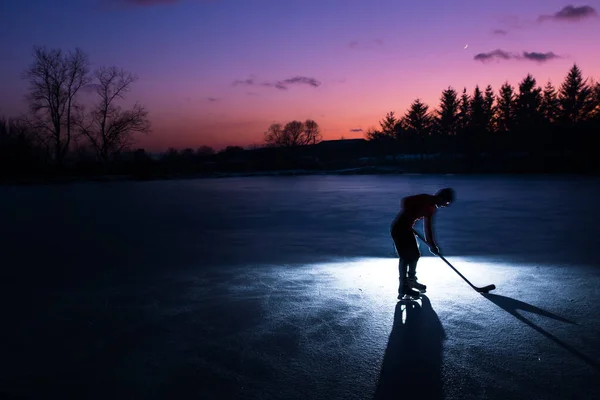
[[351, 105], [365, 58]]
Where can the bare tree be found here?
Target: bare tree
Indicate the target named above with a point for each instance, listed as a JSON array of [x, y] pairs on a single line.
[[294, 133], [274, 135], [55, 78], [108, 127], [312, 132]]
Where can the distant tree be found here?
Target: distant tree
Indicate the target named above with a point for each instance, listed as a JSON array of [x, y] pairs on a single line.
[[400, 130], [374, 134], [55, 78], [506, 107], [489, 108], [232, 150], [171, 153], [17, 146], [11, 128], [417, 120], [529, 99], [188, 153], [203, 151], [549, 106], [528, 117], [312, 132], [595, 102], [294, 133], [573, 96], [463, 112], [478, 117], [274, 136], [447, 115], [388, 125], [108, 128], [140, 155]]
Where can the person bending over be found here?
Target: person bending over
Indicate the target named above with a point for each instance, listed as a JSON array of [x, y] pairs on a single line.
[[414, 208]]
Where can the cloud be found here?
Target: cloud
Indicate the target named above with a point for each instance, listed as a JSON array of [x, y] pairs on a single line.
[[212, 99], [356, 130], [493, 55], [570, 13], [499, 32], [238, 82], [303, 80], [366, 44], [539, 57], [524, 56], [281, 85]]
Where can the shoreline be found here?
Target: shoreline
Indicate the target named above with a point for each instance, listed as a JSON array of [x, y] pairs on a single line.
[[66, 179]]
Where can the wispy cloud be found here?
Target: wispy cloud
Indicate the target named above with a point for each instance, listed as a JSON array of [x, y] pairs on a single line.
[[355, 130], [539, 57], [499, 32], [212, 99], [498, 55], [366, 44], [493, 55], [238, 82], [571, 13], [280, 84]]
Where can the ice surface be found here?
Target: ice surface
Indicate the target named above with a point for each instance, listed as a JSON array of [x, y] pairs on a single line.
[[285, 288]]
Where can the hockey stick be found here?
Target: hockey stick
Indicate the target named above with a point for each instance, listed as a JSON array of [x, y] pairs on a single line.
[[484, 289]]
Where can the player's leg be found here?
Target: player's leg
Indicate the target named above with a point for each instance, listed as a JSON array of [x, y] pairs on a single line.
[[402, 268], [412, 266], [404, 288], [406, 256]]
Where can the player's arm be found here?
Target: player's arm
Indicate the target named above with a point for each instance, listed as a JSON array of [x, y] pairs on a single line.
[[429, 237], [428, 228]]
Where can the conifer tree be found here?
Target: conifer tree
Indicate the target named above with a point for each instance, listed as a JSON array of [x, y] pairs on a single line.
[[417, 120], [447, 116], [550, 105], [490, 108], [573, 95], [463, 112], [527, 113], [477, 121], [506, 107]]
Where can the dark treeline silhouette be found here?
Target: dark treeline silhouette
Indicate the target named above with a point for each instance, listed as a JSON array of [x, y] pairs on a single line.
[[523, 129], [76, 128], [75, 119]]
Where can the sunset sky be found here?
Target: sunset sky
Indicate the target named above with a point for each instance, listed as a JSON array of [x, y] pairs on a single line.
[[219, 72]]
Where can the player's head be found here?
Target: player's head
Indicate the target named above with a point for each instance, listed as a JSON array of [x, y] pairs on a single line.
[[445, 197]]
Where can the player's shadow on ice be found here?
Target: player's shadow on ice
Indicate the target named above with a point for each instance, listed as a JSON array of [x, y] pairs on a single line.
[[413, 359], [512, 306]]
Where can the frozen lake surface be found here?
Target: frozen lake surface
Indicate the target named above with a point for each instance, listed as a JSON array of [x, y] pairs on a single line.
[[285, 288]]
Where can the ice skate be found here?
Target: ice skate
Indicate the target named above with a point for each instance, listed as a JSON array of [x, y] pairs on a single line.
[[407, 294], [413, 284]]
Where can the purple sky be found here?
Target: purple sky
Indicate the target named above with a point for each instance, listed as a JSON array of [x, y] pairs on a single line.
[[219, 72]]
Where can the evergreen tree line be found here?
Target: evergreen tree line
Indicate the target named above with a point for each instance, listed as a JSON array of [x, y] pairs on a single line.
[[529, 120]]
